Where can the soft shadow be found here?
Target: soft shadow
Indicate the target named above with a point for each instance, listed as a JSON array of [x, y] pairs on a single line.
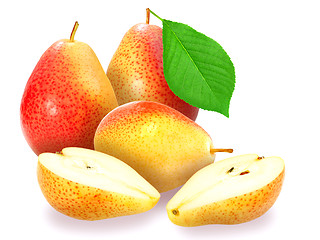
[[112, 225], [160, 209], [166, 196]]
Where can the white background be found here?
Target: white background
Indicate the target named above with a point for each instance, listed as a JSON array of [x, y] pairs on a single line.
[[274, 46]]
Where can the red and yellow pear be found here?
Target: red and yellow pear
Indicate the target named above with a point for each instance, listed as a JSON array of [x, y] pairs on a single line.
[[160, 143], [136, 70], [65, 98]]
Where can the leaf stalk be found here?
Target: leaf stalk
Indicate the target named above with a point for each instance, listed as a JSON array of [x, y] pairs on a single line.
[[155, 15]]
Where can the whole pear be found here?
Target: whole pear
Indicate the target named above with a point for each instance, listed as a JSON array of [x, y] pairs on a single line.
[[136, 70], [160, 143], [65, 98]]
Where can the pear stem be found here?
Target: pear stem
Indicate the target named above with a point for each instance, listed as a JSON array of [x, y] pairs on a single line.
[[75, 27], [148, 16], [215, 150]]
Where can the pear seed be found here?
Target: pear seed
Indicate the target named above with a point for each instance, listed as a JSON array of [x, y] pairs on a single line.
[[230, 170], [245, 172]]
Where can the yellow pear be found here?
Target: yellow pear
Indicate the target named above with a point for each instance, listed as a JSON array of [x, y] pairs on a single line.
[[89, 185], [159, 142], [230, 191]]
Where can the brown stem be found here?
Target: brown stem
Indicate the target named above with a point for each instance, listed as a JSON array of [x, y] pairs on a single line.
[[148, 16], [75, 27], [215, 150]]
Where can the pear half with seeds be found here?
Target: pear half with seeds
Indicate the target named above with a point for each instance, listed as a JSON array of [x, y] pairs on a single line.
[[89, 185], [231, 191]]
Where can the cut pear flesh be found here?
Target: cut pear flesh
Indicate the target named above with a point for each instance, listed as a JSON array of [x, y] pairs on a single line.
[[98, 173], [232, 180]]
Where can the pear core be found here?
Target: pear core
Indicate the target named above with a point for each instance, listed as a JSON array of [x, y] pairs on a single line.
[[226, 179], [99, 170]]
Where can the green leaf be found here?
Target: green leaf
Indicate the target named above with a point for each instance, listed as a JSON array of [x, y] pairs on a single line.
[[197, 68]]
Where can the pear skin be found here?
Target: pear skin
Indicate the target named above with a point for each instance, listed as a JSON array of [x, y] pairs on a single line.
[[230, 191], [65, 98], [136, 70], [159, 142], [88, 185]]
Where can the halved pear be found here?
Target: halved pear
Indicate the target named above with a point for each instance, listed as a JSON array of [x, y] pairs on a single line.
[[230, 191], [89, 185]]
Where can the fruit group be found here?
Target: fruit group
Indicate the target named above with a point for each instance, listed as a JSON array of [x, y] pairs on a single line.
[[65, 98], [136, 70], [230, 191], [90, 185], [160, 143]]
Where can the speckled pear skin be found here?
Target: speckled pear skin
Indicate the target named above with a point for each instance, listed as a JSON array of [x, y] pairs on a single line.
[[87, 203], [160, 143], [235, 210], [65, 98], [136, 70]]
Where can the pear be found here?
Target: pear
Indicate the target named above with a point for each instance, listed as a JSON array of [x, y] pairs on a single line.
[[231, 191], [89, 185], [160, 143], [65, 98], [136, 70]]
